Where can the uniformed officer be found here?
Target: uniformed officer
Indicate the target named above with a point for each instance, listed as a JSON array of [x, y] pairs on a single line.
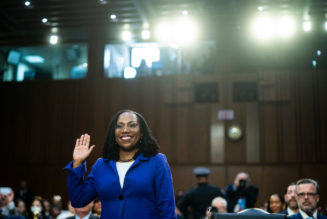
[[195, 202]]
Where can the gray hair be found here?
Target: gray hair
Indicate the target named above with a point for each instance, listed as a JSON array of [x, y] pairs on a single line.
[[307, 181], [221, 199]]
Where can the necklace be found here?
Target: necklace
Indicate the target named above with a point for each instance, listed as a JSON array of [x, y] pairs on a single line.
[[126, 160]]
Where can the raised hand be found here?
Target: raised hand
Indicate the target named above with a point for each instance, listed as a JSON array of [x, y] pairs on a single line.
[[82, 150]]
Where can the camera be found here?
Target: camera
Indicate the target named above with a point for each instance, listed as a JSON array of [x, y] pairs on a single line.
[[212, 210], [242, 183], [5, 190]]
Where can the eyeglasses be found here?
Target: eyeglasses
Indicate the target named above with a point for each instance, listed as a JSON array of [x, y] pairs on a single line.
[[309, 194], [130, 126]]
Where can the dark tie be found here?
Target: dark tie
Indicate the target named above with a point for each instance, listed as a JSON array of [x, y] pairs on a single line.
[[309, 213]]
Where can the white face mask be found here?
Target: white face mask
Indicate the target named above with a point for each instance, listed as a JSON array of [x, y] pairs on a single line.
[[36, 209]]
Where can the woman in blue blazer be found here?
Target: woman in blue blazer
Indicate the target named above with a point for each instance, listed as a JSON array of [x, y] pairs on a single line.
[[131, 179]]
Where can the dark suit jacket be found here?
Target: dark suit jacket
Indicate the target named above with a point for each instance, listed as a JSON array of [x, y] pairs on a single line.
[[199, 198], [91, 217], [250, 193], [298, 216]]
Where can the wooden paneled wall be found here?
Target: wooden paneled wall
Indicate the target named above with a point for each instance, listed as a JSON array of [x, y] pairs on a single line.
[[284, 130]]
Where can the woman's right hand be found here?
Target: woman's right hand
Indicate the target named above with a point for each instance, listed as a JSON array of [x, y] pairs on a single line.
[[82, 150]]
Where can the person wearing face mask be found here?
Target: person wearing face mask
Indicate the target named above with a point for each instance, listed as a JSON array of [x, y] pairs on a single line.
[[132, 179], [37, 209]]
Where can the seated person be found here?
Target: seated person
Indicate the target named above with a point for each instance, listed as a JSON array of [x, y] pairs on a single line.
[[84, 212], [276, 203]]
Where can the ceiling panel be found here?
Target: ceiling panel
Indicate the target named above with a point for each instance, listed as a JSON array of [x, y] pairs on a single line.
[[20, 22]]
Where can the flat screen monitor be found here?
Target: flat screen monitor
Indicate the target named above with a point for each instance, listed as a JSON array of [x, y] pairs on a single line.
[[13, 57]]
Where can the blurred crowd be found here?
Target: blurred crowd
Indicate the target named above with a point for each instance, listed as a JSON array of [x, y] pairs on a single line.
[[300, 200], [200, 202], [25, 204]]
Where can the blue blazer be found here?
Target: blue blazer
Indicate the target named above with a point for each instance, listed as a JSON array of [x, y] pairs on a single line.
[[147, 192], [299, 216]]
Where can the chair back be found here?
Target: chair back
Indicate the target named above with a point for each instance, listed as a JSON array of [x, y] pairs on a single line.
[[251, 213]]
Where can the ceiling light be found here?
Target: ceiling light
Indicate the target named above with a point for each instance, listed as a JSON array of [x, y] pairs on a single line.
[[129, 72], [164, 32], [53, 39], [185, 12], [145, 34], [27, 3], [263, 28], [285, 27], [307, 26], [44, 20], [325, 25], [54, 30], [314, 63], [318, 52], [34, 59], [260, 8], [127, 35], [185, 31], [103, 2], [113, 17]]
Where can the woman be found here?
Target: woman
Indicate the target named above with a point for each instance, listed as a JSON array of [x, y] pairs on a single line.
[[131, 179], [97, 207], [37, 210], [275, 203], [21, 208]]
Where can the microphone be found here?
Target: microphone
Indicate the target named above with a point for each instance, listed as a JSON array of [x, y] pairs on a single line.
[[309, 213]]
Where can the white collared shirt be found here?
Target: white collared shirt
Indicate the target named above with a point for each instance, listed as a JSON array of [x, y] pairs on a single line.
[[86, 217], [305, 216], [290, 211]]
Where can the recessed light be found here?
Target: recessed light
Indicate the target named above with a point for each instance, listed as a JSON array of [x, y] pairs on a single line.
[[53, 39], [34, 59], [185, 12]]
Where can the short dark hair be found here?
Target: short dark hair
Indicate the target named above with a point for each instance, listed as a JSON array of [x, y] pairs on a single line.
[[291, 184], [148, 145], [307, 181]]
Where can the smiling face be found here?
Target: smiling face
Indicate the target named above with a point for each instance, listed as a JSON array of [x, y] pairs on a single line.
[[127, 132], [276, 204]]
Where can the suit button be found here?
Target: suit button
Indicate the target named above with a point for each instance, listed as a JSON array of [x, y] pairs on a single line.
[[121, 197]]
